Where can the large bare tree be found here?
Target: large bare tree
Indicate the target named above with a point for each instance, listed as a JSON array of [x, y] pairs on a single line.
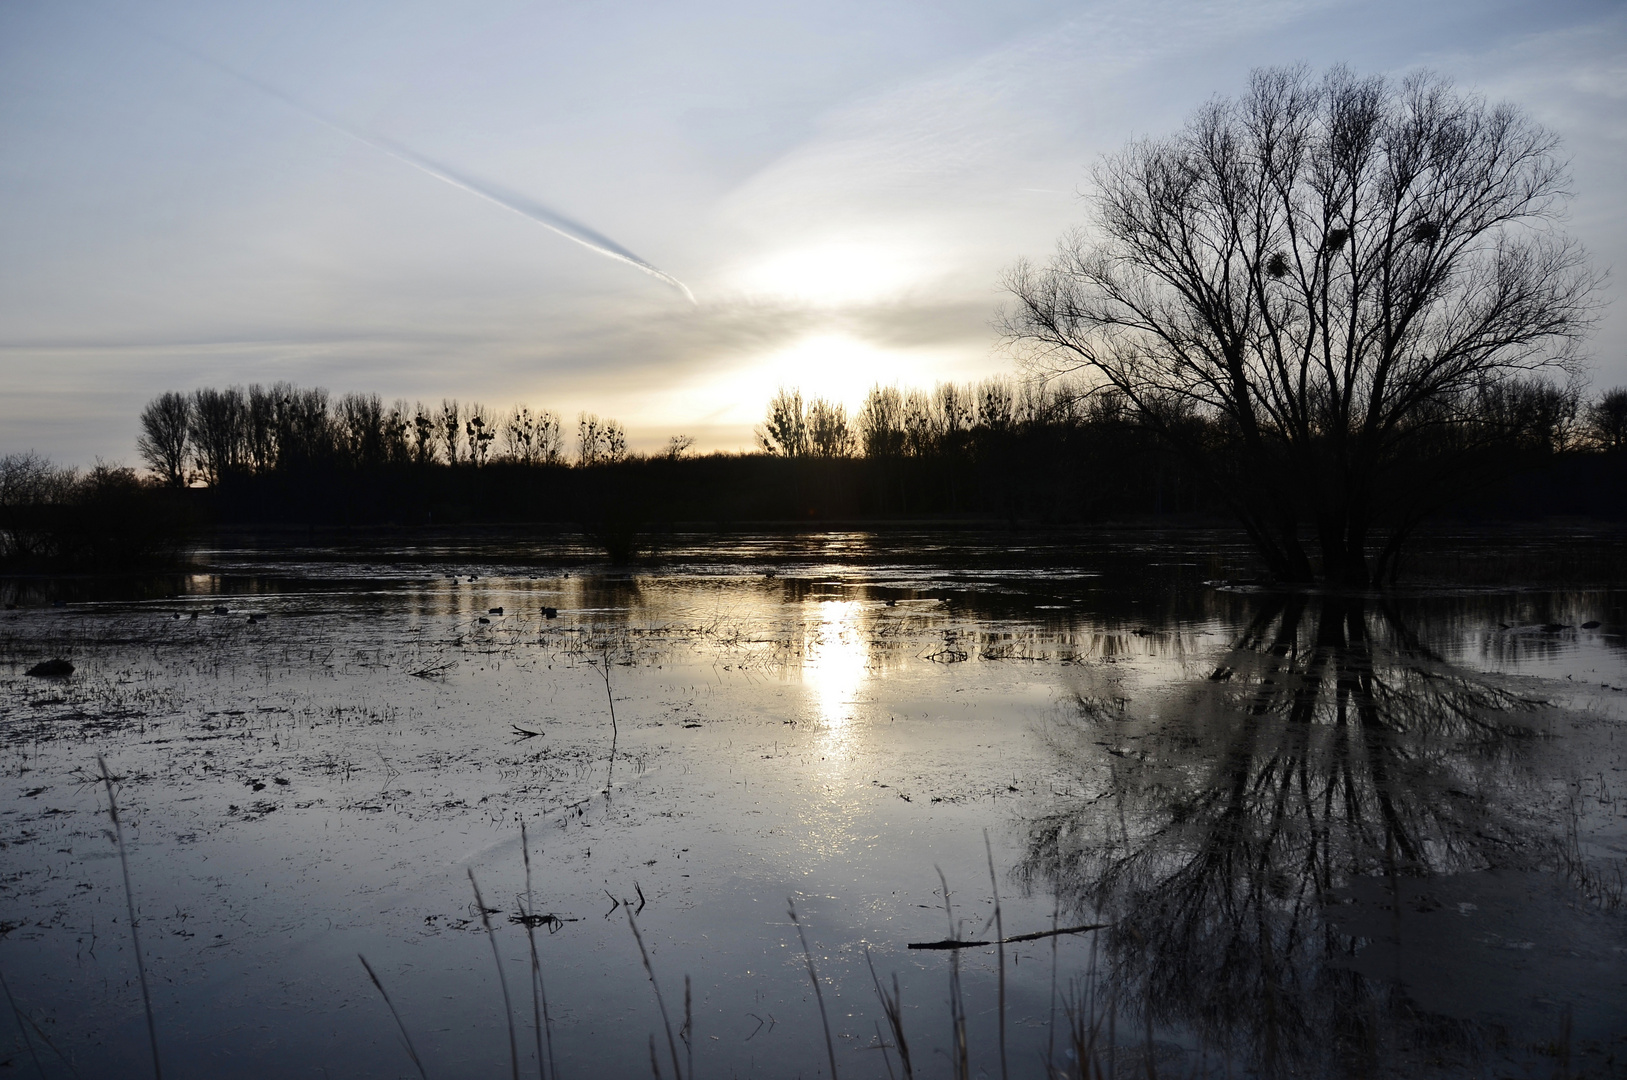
[[166, 423], [1304, 282]]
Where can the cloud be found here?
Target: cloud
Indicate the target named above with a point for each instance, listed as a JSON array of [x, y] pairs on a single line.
[[841, 203]]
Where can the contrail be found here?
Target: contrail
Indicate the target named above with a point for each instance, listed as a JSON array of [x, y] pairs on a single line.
[[527, 208]]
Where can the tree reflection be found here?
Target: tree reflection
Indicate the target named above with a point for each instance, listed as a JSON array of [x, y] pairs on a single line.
[[1329, 745]]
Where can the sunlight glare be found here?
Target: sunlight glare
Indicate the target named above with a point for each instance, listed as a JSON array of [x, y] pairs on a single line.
[[835, 272], [835, 366], [837, 661]]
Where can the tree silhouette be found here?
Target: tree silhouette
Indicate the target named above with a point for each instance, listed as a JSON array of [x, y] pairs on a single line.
[[1330, 268], [1607, 419], [163, 442]]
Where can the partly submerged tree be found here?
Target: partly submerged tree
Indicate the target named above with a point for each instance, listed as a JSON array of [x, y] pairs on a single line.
[[1323, 272]]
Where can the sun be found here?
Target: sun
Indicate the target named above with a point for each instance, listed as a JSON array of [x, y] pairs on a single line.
[[833, 365]]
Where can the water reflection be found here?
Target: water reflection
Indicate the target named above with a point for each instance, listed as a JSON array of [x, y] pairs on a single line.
[[837, 658], [1261, 833]]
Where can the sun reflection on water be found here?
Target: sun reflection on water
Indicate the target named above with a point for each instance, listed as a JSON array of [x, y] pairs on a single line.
[[836, 659]]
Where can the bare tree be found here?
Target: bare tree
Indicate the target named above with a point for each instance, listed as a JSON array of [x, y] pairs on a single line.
[[1607, 419], [450, 431], [599, 441], [218, 432], [533, 438], [359, 424], [481, 429], [1322, 267], [784, 432], [996, 404], [922, 425], [881, 422], [678, 446], [163, 442], [261, 434], [305, 428], [423, 431], [398, 439], [520, 436], [829, 434]]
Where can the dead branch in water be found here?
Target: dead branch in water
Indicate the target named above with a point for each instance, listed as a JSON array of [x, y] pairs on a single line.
[[952, 943]]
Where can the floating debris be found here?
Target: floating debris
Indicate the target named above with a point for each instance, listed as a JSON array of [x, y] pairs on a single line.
[[54, 668]]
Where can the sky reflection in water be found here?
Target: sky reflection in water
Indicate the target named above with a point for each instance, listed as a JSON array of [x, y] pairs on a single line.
[[1329, 837]]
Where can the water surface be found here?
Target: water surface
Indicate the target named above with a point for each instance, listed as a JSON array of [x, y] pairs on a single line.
[[1326, 835]]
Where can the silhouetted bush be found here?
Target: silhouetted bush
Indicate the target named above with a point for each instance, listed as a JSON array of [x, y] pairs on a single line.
[[104, 519]]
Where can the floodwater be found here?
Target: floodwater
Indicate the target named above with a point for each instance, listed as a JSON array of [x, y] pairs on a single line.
[[1323, 835]]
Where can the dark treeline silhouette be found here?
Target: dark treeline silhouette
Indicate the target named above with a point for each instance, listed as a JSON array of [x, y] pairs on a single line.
[[1016, 452]]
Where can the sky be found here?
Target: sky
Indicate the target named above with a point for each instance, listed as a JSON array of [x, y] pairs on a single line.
[[720, 198]]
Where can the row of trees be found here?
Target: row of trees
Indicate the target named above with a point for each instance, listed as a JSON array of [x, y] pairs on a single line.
[[209, 435], [1517, 413], [913, 422]]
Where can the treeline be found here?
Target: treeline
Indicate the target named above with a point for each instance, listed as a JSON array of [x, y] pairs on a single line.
[[1004, 450], [1018, 450], [210, 436], [999, 448]]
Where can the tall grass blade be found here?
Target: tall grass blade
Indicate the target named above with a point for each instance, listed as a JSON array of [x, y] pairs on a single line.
[[502, 980], [1000, 941], [603, 667], [672, 1044], [689, 1031], [412, 1051], [18, 1015], [542, 1025], [830, 1047], [130, 909], [957, 1006], [893, 1008]]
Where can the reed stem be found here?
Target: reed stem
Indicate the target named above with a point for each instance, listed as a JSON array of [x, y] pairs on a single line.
[[412, 1051], [130, 909], [502, 980], [830, 1047]]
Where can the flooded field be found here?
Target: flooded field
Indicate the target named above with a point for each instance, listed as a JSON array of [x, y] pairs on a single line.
[[1319, 835]]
